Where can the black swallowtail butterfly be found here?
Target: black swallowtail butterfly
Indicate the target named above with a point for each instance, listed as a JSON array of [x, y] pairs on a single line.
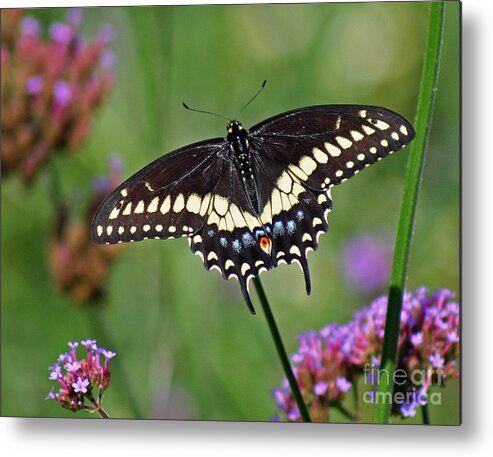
[[258, 198]]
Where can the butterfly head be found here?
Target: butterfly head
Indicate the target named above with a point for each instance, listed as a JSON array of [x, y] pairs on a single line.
[[235, 131]]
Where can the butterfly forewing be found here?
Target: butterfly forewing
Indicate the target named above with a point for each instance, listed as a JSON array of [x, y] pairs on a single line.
[[167, 199], [328, 144]]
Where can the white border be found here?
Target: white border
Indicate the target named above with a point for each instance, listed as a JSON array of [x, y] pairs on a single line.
[[148, 438]]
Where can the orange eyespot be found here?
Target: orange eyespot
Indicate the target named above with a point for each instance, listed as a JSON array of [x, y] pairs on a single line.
[[265, 244]]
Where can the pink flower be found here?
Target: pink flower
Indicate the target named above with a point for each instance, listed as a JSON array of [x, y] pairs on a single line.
[[50, 88], [83, 382], [329, 362]]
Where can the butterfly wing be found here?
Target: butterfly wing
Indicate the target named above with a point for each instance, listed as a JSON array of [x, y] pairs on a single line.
[[294, 214], [167, 199], [196, 192], [328, 144], [301, 154]]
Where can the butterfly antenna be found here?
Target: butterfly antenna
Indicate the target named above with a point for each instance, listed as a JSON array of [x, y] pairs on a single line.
[[252, 99], [205, 112]]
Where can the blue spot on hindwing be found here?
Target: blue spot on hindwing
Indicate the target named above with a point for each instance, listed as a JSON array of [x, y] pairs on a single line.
[[278, 229], [259, 233], [291, 227], [236, 245], [223, 241], [247, 239]]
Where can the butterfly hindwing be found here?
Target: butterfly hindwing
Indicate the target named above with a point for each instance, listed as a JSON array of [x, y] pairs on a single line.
[[295, 214], [241, 244], [231, 238]]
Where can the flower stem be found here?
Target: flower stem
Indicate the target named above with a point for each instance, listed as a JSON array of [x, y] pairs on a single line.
[[425, 410], [103, 413], [357, 406], [408, 208], [97, 406], [281, 351]]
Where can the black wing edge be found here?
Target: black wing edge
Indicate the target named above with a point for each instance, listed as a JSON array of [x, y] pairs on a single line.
[[337, 108]]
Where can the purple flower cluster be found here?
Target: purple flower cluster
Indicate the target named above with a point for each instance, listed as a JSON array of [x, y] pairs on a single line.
[[82, 381], [428, 344], [329, 361], [50, 89], [367, 260]]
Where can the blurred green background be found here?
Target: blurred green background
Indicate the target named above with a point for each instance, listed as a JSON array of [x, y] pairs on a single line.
[[187, 346]]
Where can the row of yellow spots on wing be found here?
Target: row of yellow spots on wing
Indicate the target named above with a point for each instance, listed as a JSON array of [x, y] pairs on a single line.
[[289, 186], [171, 229], [343, 143], [284, 196], [163, 204], [287, 189], [228, 216], [220, 211]]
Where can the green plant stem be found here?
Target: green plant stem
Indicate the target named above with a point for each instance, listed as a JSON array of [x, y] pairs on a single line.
[[97, 406], [408, 208], [425, 410], [282, 351], [103, 413], [356, 400]]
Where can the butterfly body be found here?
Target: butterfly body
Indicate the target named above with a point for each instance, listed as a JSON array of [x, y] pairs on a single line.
[[242, 157], [257, 198]]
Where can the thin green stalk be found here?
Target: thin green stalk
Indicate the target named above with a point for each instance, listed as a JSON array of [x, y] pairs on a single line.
[[102, 412], [425, 410], [282, 351], [97, 406], [149, 23], [357, 406], [408, 208]]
